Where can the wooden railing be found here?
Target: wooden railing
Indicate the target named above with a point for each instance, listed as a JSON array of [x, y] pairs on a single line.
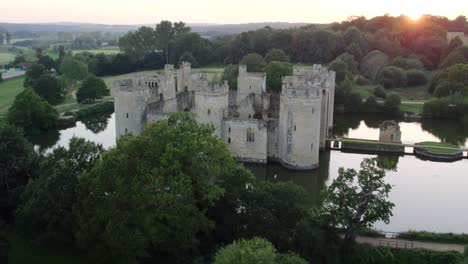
[[396, 244]]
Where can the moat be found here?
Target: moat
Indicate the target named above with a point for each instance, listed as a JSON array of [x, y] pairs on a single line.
[[428, 195]]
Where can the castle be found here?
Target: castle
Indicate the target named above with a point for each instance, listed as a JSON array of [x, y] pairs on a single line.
[[289, 127]]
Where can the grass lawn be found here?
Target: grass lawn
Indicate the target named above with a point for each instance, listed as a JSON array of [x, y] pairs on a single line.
[[439, 147], [8, 91], [23, 251], [411, 108], [6, 57], [96, 51], [364, 90]]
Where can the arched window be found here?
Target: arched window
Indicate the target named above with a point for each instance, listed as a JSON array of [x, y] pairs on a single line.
[[161, 97], [229, 140], [229, 129], [126, 130], [294, 128], [209, 111], [175, 81], [250, 135], [127, 115]]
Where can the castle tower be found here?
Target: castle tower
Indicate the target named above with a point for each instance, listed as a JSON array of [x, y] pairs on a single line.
[[251, 92], [299, 124], [185, 80], [211, 102], [130, 100]]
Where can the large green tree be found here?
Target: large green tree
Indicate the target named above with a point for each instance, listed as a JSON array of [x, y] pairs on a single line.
[[139, 43], [47, 202], [33, 74], [254, 62], [32, 113], [275, 71], [92, 88], [357, 199], [150, 193], [50, 89], [73, 69]]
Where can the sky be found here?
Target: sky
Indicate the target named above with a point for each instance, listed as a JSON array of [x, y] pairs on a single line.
[[218, 11]]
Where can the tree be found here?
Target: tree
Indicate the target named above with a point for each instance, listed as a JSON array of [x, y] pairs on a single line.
[[18, 163], [49, 88], [164, 36], [73, 69], [139, 43], [1, 77], [466, 29], [92, 88], [32, 113], [341, 70], [415, 78], [379, 92], [392, 77], [253, 251], [47, 202], [33, 74], [357, 199], [231, 72], [276, 55], [392, 103], [272, 211], [188, 57], [61, 52], [254, 62], [152, 191], [275, 71], [39, 52], [47, 62]]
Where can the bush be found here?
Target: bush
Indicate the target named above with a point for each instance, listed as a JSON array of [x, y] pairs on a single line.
[[415, 78], [188, 57], [373, 63], [392, 104], [440, 109], [392, 77], [407, 63], [423, 256], [379, 92], [275, 71]]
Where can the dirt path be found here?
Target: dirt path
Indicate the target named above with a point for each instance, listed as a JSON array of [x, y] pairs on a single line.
[[401, 243]]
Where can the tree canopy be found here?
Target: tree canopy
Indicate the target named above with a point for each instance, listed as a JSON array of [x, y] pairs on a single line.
[[33, 74], [167, 172], [50, 89], [92, 88], [254, 62], [275, 71], [46, 210], [73, 69], [32, 113], [357, 199]]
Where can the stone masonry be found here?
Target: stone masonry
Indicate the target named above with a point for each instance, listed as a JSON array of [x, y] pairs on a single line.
[[256, 125]]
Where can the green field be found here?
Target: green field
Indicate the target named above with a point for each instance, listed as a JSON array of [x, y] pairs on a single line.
[[439, 147], [8, 91], [6, 57], [411, 108], [97, 51]]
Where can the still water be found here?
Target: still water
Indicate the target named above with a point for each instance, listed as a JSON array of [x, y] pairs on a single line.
[[427, 195]]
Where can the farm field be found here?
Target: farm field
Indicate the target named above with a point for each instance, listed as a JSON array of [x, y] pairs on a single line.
[[97, 51], [8, 91], [6, 57]]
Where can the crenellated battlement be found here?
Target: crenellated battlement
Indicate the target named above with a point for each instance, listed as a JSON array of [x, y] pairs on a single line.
[[308, 81]]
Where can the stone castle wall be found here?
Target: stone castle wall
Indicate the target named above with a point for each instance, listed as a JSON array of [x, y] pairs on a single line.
[[289, 127]]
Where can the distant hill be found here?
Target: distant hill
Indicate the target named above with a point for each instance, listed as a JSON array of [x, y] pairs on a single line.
[[205, 29]]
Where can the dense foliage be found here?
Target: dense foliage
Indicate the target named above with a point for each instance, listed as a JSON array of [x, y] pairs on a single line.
[[32, 113], [92, 88], [50, 89]]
